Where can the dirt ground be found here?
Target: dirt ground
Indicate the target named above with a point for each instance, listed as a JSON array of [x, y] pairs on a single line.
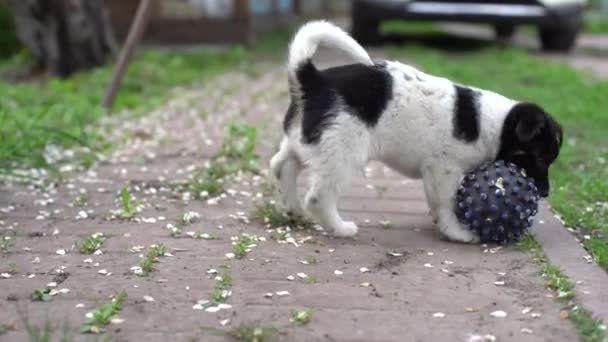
[[394, 282]]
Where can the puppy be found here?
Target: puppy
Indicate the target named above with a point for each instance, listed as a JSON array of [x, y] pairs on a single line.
[[420, 125]]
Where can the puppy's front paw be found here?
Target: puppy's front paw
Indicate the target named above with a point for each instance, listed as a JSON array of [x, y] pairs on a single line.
[[460, 234], [348, 229]]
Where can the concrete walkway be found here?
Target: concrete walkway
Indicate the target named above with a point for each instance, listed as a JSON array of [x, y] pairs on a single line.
[[397, 281]]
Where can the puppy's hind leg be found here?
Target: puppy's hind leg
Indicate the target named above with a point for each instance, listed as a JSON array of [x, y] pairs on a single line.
[[328, 178], [286, 168]]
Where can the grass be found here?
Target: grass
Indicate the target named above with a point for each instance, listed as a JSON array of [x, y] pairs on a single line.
[[222, 290], [91, 244], [579, 178], [589, 328], [147, 265], [555, 279], [50, 111], [301, 317], [103, 315], [246, 332], [268, 213], [128, 204], [243, 245], [6, 243], [596, 23], [236, 154], [41, 295], [53, 111], [44, 332]]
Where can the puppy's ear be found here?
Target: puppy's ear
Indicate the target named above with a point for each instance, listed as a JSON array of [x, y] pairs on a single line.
[[531, 119]]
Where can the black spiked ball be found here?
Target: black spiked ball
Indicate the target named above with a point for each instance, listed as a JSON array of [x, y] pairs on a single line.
[[497, 201]]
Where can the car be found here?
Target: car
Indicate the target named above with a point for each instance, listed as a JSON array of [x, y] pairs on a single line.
[[559, 21]]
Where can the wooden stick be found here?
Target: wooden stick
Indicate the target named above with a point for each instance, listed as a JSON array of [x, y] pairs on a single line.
[[136, 31]]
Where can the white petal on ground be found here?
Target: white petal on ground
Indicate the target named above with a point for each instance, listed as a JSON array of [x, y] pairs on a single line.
[[438, 315], [338, 272], [148, 298], [498, 314], [282, 293]]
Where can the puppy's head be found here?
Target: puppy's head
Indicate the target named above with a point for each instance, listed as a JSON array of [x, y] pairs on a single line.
[[531, 139]]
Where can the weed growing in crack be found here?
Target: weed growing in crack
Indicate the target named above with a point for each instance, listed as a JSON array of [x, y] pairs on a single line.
[[555, 279], [246, 332], [269, 214], [146, 266], [41, 333], [103, 315], [6, 243], [311, 260], [236, 154], [222, 290], [243, 245], [81, 201], [128, 204], [91, 244], [41, 295], [301, 317], [589, 329]]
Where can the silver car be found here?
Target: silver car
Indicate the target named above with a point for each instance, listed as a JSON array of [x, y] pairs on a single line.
[[559, 21]]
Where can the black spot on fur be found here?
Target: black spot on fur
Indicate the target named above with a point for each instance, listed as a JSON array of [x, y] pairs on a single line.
[[466, 114], [292, 110], [365, 90]]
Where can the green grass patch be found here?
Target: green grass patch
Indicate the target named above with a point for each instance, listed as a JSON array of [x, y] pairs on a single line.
[[579, 178], [596, 23], [37, 114], [43, 331], [555, 279], [236, 155], [588, 328], [301, 317], [103, 315], [243, 245], [401, 27], [91, 244], [222, 290], [147, 264], [271, 215], [128, 204], [246, 332]]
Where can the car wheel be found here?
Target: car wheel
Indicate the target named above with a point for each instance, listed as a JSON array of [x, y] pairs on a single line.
[[504, 31], [364, 29], [558, 39]]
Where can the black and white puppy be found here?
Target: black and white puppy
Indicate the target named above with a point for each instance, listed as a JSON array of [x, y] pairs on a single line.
[[419, 125]]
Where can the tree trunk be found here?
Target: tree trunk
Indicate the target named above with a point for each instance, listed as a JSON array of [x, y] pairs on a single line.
[[64, 36]]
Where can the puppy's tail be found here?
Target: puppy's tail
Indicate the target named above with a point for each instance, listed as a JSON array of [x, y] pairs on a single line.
[[305, 44]]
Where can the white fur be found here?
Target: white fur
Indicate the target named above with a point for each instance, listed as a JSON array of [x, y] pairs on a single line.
[[413, 136], [311, 35]]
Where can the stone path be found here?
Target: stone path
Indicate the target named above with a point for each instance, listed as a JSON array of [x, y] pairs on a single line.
[[394, 282]]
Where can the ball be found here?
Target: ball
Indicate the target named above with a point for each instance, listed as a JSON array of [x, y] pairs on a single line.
[[497, 201]]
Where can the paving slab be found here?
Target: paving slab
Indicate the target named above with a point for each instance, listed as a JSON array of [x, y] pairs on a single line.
[[404, 283]]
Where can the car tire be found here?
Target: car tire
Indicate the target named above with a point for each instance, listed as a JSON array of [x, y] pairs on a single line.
[[364, 29], [559, 39], [504, 32]]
